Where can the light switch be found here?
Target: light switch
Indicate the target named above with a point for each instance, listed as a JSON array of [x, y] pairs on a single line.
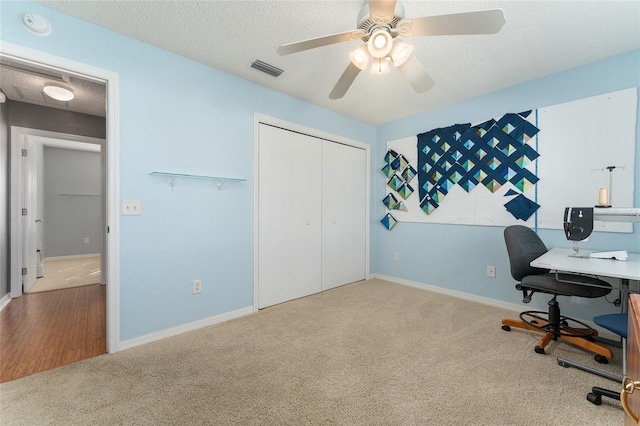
[[131, 207]]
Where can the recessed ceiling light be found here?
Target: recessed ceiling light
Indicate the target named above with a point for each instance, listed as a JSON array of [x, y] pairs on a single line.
[[58, 93]]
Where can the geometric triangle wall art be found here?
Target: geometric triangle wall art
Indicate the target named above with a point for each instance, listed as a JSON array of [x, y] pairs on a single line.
[[388, 221], [390, 201], [488, 154]]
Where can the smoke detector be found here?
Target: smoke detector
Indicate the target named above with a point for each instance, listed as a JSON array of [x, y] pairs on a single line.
[[36, 24]]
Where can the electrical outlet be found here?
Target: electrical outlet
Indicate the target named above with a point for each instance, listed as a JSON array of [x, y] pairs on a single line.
[[491, 271], [197, 286], [396, 256], [86, 240]]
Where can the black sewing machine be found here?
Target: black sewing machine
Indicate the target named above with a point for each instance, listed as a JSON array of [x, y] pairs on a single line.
[[578, 224]]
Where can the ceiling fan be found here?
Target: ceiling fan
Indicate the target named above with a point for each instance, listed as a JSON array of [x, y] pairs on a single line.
[[380, 22]]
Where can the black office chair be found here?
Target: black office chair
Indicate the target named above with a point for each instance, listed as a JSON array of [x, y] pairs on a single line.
[[523, 246]]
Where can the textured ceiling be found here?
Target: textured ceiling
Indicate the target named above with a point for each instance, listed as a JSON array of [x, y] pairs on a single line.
[[24, 83], [538, 39]]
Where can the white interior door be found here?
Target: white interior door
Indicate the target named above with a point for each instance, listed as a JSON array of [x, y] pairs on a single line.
[[30, 192], [105, 213], [344, 204], [289, 223]]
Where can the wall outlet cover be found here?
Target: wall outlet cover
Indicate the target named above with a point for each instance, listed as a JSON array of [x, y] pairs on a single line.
[[491, 271], [131, 207]]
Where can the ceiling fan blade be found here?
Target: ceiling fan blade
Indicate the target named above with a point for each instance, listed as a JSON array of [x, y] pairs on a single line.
[[382, 11], [416, 75], [345, 81], [299, 46], [480, 22]]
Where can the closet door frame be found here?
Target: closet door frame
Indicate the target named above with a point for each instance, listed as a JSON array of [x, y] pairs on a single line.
[[286, 125]]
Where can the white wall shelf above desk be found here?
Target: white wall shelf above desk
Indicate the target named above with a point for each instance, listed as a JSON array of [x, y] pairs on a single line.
[[220, 180]]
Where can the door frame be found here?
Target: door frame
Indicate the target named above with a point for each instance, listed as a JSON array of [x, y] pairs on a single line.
[[40, 59], [18, 191], [286, 125]]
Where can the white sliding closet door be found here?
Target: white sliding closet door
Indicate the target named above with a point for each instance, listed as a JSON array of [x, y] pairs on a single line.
[[343, 214], [289, 234]]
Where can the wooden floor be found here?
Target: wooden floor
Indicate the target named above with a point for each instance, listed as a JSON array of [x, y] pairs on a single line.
[[42, 331]]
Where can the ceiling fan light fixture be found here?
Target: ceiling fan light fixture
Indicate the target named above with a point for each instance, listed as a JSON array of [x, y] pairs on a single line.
[[360, 57], [58, 93], [380, 66], [401, 52], [380, 22], [380, 43]]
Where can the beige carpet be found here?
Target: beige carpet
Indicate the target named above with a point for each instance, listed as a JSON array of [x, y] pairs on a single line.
[[370, 353], [68, 272]]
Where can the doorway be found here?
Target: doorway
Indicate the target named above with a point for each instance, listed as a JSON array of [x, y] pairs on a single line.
[[30, 57], [65, 226]]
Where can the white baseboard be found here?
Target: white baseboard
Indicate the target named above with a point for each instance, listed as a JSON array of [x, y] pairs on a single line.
[[5, 300], [71, 256], [454, 293], [142, 340], [480, 299]]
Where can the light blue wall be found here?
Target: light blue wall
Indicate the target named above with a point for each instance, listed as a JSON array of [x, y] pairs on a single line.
[[177, 115], [456, 257]]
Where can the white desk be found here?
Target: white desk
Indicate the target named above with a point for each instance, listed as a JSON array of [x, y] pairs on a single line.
[[565, 260]]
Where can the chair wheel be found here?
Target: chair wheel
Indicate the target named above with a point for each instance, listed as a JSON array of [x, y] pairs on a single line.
[[601, 360], [506, 328], [594, 399], [539, 350]]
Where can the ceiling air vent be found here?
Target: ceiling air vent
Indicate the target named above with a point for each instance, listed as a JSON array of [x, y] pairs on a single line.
[[266, 68]]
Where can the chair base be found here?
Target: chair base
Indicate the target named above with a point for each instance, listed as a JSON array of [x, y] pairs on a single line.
[[596, 394], [558, 324], [567, 363], [578, 339]]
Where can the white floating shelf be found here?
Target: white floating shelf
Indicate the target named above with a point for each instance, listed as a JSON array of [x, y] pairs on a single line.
[[218, 179]]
